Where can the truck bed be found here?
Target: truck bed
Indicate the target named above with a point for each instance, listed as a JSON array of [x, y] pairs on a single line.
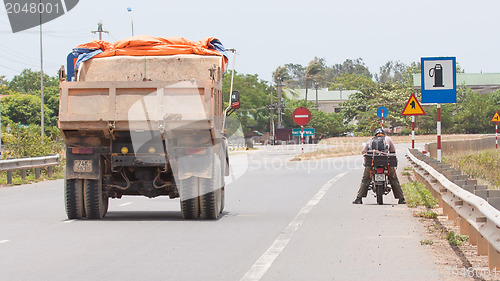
[[154, 97]]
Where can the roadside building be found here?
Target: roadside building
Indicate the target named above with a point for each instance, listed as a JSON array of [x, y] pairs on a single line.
[[483, 83], [325, 100]]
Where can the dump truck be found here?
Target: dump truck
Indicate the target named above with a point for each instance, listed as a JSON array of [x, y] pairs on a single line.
[[150, 125]]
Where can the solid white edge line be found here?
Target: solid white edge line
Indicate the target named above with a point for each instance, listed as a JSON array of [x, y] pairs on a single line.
[[4, 241], [264, 262]]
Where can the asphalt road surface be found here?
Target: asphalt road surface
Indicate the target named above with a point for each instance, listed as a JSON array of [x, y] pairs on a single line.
[[283, 220]]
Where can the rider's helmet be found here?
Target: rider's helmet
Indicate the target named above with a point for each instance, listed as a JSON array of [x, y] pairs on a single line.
[[379, 131]]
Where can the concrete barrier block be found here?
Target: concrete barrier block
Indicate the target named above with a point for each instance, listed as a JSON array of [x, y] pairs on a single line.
[[495, 202], [459, 177], [469, 187], [471, 181], [482, 193], [460, 182], [493, 193]]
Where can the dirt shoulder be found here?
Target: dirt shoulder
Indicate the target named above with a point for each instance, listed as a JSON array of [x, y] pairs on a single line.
[[455, 263]]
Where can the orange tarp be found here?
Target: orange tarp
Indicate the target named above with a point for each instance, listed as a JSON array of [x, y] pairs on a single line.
[[145, 45]]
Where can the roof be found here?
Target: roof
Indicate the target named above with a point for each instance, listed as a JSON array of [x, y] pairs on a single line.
[[323, 94], [472, 80]]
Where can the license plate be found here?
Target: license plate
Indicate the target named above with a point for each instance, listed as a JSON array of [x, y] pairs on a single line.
[[82, 166], [379, 177]]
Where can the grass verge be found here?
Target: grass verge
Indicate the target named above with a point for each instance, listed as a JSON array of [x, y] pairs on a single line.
[[483, 165], [416, 194]]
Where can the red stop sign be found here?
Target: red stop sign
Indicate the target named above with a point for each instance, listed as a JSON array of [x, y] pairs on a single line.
[[301, 116]]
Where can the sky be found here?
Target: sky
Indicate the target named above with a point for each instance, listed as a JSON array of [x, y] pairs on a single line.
[[268, 33]]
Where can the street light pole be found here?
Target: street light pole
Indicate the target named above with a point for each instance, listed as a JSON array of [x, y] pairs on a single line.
[[131, 19], [41, 78]]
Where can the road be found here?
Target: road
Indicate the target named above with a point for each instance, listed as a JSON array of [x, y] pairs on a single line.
[[283, 221]]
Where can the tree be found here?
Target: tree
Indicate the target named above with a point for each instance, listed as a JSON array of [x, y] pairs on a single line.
[[315, 72], [29, 81], [350, 81], [349, 66], [297, 74], [254, 99], [281, 74], [23, 109], [392, 72]]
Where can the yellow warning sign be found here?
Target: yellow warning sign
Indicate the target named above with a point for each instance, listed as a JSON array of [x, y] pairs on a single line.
[[496, 117], [413, 107]]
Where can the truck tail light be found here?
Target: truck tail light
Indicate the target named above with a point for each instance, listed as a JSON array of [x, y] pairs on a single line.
[[82, 150], [380, 170]]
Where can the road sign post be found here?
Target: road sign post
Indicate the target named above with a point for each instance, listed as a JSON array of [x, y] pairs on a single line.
[[413, 108], [439, 85], [301, 116], [382, 112], [496, 119]]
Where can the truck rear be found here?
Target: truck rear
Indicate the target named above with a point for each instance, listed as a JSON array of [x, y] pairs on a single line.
[[145, 125]]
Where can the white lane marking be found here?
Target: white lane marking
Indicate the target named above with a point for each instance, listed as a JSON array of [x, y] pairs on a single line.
[[68, 221], [126, 204], [4, 241], [264, 262]]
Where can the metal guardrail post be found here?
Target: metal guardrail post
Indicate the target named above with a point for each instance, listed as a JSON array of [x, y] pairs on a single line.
[[475, 216], [9, 177], [24, 164]]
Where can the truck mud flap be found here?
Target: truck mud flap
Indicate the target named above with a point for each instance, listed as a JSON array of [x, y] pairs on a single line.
[[82, 166], [193, 165]]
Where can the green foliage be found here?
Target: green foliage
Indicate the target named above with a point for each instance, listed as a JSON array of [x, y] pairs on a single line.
[[29, 81], [26, 141], [254, 99], [363, 106], [350, 81], [455, 239], [416, 194], [24, 109], [427, 215], [483, 164], [426, 242]]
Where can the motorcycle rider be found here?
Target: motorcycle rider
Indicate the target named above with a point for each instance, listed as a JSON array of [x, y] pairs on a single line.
[[382, 143]]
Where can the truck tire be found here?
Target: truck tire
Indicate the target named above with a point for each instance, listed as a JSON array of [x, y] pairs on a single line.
[[96, 203], [210, 192], [190, 204], [73, 195]]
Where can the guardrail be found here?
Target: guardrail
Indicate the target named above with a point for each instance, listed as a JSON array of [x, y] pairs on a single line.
[[29, 163], [467, 206]]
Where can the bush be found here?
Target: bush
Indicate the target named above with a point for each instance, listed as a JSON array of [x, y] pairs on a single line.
[[26, 141]]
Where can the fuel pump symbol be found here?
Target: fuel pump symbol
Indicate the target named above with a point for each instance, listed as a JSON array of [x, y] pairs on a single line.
[[437, 73]]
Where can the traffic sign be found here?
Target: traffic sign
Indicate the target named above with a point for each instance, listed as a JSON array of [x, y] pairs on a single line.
[[439, 80], [308, 132], [413, 107], [382, 112], [496, 117], [301, 116]]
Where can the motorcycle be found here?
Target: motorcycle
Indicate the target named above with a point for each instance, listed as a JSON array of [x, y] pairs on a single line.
[[379, 172]]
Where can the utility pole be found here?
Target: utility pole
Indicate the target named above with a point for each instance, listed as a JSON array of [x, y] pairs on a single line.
[[280, 125], [316, 85], [271, 121], [42, 121], [100, 30]]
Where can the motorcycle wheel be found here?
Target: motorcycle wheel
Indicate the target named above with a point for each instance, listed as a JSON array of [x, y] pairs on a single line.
[[380, 194]]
